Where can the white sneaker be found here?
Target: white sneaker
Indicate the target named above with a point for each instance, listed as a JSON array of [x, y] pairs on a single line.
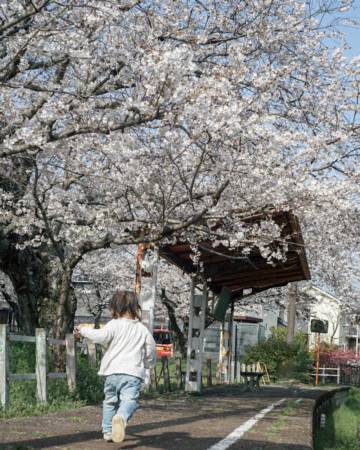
[[107, 437], [118, 429]]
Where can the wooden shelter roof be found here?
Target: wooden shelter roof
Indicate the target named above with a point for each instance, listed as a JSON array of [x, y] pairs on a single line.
[[228, 268]]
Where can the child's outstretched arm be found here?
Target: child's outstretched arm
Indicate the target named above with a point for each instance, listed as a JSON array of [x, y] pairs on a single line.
[[150, 352], [99, 336]]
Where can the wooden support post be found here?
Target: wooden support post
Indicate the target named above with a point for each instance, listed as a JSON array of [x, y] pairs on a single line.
[[242, 369], [208, 373], [235, 353], [153, 380], [165, 363], [41, 365], [178, 372], [70, 361], [91, 346], [223, 366], [231, 359], [292, 294], [195, 339], [219, 370], [4, 365]]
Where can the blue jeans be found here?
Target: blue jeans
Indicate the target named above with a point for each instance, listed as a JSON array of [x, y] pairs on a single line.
[[121, 397]]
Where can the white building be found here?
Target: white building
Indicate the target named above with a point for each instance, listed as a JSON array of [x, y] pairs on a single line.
[[324, 307]]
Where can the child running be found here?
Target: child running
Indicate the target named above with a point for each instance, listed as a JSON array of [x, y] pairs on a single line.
[[130, 349]]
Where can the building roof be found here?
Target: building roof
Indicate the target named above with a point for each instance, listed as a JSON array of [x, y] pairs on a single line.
[[228, 268], [247, 319], [319, 294]]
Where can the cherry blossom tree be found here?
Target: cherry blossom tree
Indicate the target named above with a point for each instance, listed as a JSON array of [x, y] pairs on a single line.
[[100, 274], [131, 121]]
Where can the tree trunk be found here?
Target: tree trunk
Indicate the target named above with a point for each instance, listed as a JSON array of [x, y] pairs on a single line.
[[64, 316], [65, 307], [179, 337], [28, 270], [45, 299]]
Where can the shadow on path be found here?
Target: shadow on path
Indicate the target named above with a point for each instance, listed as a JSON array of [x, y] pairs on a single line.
[[165, 441], [51, 441], [234, 406]]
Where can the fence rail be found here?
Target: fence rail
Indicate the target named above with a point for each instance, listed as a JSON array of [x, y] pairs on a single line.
[[325, 372], [52, 341], [21, 338], [42, 374], [22, 376]]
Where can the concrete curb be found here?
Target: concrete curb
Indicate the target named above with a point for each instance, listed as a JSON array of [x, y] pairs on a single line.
[[324, 404]]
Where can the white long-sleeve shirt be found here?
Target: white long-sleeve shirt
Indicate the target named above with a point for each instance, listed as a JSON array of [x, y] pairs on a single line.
[[130, 347]]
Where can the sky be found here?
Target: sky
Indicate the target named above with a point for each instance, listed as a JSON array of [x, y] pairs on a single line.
[[352, 32]]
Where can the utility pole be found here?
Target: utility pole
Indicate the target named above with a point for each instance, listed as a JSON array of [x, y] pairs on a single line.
[[357, 322], [317, 359], [139, 259], [145, 290], [291, 312]]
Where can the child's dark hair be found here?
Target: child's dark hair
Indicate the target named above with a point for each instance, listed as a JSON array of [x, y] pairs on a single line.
[[123, 302]]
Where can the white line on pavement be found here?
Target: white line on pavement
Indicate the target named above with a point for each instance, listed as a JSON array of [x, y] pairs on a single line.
[[235, 435]]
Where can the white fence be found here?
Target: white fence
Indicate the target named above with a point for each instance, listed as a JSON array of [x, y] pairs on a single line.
[[328, 372], [41, 375]]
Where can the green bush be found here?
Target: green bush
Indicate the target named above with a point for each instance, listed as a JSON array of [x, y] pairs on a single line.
[[22, 357], [89, 385], [23, 399], [282, 359], [342, 430]]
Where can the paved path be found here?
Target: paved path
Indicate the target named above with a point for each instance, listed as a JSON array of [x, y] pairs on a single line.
[[220, 418]]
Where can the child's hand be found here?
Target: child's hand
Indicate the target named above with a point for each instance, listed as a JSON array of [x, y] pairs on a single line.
[[77, 331]]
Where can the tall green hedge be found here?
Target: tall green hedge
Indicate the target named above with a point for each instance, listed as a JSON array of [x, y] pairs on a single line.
[[282, 359]]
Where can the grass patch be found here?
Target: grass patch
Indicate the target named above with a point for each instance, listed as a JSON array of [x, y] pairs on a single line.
[[89, 388], [342, 430], [23, 399], [280, 422]]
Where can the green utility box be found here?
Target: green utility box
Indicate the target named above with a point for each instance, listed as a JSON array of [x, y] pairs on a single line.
[[222, 304]]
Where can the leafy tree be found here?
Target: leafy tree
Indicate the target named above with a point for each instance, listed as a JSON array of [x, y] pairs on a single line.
[[280, 357]]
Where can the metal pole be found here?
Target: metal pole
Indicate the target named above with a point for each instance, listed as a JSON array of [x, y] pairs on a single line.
[[317, 360], [139, 258], [230, 346], [357, 340], [235, 352], [291, 312]]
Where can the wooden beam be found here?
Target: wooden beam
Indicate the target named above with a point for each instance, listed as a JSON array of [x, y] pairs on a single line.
[[21, 338], [22, 376], [70, 361]]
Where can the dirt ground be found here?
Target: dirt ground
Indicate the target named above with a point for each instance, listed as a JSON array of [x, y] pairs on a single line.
[[183, 423]]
